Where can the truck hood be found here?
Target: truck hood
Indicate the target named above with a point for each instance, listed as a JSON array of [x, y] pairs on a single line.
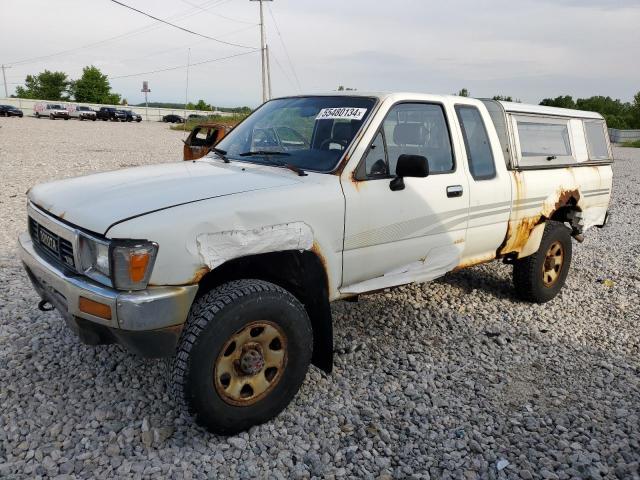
[[96, 202]]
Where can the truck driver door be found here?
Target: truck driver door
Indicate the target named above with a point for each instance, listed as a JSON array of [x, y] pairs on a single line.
[[413, 234]]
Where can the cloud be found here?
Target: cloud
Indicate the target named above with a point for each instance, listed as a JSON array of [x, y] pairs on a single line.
[[529, 49]]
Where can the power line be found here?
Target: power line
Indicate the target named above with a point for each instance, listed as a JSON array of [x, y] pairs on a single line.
[[286, 51], [201, 7], [130, 33], [179, 27], [286, 75], [183, 66], [181, 47]]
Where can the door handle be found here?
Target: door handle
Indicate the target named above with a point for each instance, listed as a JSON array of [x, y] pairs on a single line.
[[454, 191]]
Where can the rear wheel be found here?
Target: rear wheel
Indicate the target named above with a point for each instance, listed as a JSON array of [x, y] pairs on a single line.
[[51, 117], [539, 277], [243, 354]]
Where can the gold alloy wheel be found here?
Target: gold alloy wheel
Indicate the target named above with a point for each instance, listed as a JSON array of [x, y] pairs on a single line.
[[251, 363], [552, 266]]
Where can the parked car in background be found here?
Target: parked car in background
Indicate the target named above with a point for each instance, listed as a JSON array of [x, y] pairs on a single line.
[[10, 111], [202, 139], [229, 264], [110, 113], [195, 116], [82, 113], [130, 116], [51, 110], [172, 118]]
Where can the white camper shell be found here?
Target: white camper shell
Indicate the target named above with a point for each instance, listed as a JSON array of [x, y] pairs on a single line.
[[535, 136]]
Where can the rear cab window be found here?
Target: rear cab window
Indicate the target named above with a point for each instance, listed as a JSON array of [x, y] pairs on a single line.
[[476, 142]]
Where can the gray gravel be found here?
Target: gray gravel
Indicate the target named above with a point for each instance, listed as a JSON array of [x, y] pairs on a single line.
[[452, 379]]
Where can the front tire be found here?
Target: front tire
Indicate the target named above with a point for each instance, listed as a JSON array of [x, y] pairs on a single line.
[[242, 356], [539, 277]]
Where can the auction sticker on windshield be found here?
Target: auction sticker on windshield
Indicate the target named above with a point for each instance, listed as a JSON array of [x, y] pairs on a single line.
[[348, 113]]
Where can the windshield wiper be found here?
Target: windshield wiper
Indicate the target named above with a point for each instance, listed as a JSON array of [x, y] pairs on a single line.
[[222, 154], [263, 152], [274, 162]]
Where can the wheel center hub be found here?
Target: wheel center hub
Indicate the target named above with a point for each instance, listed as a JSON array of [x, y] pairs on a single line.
[[251, 361]]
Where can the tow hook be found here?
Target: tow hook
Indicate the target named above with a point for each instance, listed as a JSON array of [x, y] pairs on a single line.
[[45, 306]]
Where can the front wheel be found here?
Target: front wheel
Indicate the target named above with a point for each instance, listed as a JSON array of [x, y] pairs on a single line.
[[539, 277], [242, 356]]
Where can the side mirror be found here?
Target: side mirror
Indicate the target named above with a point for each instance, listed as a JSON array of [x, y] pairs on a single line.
[[409, 166]]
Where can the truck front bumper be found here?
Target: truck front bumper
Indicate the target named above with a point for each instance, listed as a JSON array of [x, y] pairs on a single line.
[[146, 322]]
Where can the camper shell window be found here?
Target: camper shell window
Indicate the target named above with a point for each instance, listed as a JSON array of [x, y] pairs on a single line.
[[597, 145], [544, 140]]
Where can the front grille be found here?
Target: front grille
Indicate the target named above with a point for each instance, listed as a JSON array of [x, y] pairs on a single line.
[[60, 250]]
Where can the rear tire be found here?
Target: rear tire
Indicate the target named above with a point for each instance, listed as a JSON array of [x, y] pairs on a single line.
[[242, 356], [539, 277]]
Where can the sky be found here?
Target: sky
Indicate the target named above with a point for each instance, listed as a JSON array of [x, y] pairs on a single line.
[[527, 49]]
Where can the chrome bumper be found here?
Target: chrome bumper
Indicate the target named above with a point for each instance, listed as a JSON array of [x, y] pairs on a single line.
[[151, 309]]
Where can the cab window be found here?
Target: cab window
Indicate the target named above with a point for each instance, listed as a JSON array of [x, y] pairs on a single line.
[[418, 129], [476, 143], [413, 129]]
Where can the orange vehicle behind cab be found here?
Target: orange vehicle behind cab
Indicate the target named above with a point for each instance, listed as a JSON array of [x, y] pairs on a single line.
[[202, 138]]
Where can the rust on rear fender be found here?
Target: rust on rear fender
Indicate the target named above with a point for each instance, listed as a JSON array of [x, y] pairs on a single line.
[[519, 230]]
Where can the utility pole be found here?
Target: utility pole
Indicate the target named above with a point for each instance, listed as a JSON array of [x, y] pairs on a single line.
[[4, 79], [264, 60], [186, 92], [268, 73]]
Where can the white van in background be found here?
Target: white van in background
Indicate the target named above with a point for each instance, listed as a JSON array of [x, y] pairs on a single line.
[[51, 110]]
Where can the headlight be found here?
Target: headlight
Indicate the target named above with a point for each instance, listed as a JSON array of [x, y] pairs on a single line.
[[94, 258], [132, 263], [122, 264]]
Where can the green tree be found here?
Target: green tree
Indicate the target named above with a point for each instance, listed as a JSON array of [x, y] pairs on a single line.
[[505, 98], [46, 85], [463, 93], [93, 87], [202, 105], [617, 113], [635, 111], [561, 101]]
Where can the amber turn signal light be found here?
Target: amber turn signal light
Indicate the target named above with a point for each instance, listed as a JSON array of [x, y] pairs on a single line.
[[94, 308], [138, 266]]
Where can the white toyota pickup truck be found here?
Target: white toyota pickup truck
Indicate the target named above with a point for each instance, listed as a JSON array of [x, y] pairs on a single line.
[[228, 264]]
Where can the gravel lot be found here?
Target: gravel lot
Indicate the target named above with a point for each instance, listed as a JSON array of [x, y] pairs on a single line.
[[452, 379]]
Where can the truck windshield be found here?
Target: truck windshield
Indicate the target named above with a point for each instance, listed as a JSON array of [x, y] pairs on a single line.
[[311, 132]]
